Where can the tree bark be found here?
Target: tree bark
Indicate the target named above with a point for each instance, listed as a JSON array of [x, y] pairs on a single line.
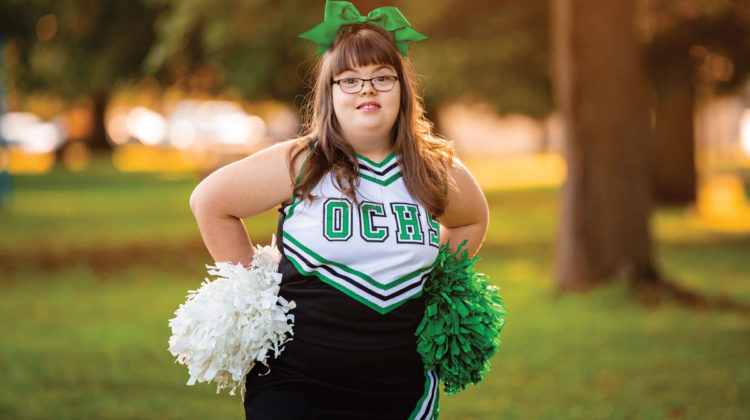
[[674, 175], [604, 221]]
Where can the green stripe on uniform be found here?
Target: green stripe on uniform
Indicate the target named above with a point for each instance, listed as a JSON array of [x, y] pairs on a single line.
[[295, 203], [381, 164], [333, 283], [354, 272], [384, 183]]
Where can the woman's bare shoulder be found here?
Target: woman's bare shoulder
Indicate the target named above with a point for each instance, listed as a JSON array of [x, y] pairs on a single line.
[[284, 153], [295, 152], [253, 184], [466, 202]]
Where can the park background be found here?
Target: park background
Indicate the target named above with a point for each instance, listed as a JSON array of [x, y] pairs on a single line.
[[612, 139]]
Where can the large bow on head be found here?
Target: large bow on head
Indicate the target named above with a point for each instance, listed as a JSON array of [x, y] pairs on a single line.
[[341, 13]]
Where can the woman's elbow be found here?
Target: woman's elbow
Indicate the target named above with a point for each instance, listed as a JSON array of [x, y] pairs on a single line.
[[207, 202], [198, 200]]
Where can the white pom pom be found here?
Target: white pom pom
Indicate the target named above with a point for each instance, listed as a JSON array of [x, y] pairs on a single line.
[[232, 322]]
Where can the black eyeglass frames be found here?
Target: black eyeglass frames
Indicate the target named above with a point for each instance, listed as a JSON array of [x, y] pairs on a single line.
[[355, 84]]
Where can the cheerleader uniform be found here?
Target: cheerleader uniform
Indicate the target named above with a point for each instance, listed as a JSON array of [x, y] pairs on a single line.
[[355, 271]]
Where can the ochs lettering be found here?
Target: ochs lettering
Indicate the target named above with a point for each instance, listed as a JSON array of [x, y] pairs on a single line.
[[411, 226]]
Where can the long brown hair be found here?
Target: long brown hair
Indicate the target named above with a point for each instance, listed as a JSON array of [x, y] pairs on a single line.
[[424, 157]]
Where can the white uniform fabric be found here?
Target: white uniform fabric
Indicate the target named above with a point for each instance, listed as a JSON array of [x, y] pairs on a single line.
[[331, 236]]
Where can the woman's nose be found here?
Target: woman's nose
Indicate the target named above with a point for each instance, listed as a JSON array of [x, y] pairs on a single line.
[[368, 87]]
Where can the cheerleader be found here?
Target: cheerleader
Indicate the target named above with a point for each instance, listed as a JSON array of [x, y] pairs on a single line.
[[365, 198]]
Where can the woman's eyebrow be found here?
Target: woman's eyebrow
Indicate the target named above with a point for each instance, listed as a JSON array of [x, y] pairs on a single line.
[[357, 73], [345, 71]]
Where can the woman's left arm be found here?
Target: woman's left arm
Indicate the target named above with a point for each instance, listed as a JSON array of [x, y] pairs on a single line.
[[467, 216]]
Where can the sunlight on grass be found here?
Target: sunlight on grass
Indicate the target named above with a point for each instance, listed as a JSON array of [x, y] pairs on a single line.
[[518, 172], [722, 204], [16, 161], [140, 158]]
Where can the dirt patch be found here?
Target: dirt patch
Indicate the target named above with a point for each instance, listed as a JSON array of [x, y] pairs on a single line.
[[104, 260]]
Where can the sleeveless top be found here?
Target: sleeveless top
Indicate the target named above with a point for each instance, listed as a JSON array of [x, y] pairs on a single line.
[[356, 270]]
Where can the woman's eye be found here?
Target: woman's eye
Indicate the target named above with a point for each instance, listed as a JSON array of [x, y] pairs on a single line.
[[350, 81], [381, 78]]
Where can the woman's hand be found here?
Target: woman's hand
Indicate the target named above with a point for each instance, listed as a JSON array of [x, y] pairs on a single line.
[[241, 189], [467, 215]]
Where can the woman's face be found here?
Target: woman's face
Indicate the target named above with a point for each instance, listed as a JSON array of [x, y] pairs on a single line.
[[369, 112]]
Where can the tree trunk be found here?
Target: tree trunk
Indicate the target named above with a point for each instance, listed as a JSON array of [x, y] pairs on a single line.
[[431, 112], [600, 85], [674, 177], [98, 140]]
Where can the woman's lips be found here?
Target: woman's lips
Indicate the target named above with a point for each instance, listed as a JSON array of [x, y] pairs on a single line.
[[368, 106]]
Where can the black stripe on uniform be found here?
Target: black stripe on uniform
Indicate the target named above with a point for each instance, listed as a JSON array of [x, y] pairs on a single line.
[[380, 173], [352, 282]]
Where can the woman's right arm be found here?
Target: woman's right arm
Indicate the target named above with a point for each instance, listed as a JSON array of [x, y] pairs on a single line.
[[241, 189]]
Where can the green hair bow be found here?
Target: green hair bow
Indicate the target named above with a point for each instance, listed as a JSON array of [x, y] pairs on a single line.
[[341, 13]]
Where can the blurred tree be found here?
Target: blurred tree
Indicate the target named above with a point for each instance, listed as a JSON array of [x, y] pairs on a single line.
[[601, 92], [691, 45], [253, 46], [249, 46], [78, 48], [491, 51]]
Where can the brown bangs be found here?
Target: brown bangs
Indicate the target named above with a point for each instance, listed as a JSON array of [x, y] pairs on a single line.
[[358, 46]]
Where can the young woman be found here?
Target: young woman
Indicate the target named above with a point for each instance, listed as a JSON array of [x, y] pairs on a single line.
[[366, 196]]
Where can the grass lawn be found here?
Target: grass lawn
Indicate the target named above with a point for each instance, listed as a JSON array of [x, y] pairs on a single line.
[[93, 264]]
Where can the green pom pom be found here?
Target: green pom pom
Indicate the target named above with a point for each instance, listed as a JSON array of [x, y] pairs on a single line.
[[461, 327]]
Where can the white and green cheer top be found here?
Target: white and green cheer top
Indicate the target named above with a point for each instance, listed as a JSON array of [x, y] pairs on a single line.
[[356, 270]]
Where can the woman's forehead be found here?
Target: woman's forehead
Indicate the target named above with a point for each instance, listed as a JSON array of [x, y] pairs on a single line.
[[367, 69]]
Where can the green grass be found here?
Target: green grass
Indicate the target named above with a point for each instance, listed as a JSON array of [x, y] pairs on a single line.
[[93, 264]]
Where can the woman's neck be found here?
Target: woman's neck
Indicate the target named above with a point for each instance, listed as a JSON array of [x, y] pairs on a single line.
[[375, 149]]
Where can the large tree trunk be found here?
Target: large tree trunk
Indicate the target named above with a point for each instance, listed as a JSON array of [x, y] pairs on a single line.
[[674, 177], [604, 230]]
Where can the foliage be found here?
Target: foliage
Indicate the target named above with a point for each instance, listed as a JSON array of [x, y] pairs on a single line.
[[497, 52], [251, 46], [95, 44], [477, 50], [708, 38]]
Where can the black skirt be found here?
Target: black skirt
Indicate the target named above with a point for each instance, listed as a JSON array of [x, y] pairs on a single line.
[[310, 381]]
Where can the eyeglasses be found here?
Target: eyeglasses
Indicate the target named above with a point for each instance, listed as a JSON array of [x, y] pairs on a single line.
[[355, 84]]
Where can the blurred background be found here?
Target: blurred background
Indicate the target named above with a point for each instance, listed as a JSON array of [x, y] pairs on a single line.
[[612, 140]]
